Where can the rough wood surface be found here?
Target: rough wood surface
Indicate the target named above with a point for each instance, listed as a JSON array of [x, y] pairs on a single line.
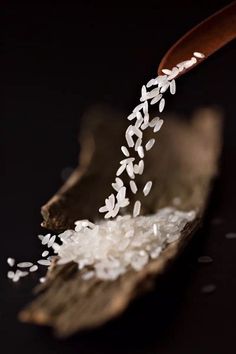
[[182, 164]]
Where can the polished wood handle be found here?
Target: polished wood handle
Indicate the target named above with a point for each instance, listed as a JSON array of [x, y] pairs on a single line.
[[207, 37]]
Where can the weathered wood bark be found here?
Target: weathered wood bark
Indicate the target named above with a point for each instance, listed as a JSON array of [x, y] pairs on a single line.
[[181, 164]]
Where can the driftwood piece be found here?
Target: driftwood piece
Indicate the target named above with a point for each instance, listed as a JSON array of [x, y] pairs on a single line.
[[181, 164]]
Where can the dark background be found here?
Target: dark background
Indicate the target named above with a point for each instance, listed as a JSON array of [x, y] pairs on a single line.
[[55, 62]]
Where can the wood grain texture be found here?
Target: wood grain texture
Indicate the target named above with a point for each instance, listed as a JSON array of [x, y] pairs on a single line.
[[182, 164]]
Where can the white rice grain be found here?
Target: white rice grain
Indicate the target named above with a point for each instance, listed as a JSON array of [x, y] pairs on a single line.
[[51, 241], [174, 73], [155, 92], [34, 268], [150, 144], [193, 60], [145, 122], [141, 167], [133, 187], [137, 132], [10, 274], [44, 262], [16, 277], [136, 168], [137, 208], [199, 55], [24, 264], [137, 144], [158, 125], [156, 252], [120, 170], [147, 188], [161, 105], [145, 108], [153, 122], [140, 152], [11, 261], [138, 108], [131, 116], [160, 79], [23, 274], [156, 99], [128, 136], [155, 230], [103, 209], [138, 123], [119, 182], [150, 83], [166, 71], [127, 160], [173, 87], [130, 170], [46, 239], [125, 151], [165, 87]]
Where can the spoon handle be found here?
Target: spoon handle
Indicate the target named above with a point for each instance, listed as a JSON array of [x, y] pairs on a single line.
[[207, 37]]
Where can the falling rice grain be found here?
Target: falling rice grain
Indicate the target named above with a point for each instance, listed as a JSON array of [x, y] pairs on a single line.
[[44, 262], [46, 239], [161, 105], [173, 87], [156, 99], [150, 83], [140, 152], [45, 253], [147, 188], [137, 208], [153, 122], [141, 167], [34, 268], [133, 187], [24, 264], [138, 143], [130, 170], [10, 274], [125, 151], [51, 242], [150, 144], [165, 87], [11, 261], [158, 125], [120, 170]]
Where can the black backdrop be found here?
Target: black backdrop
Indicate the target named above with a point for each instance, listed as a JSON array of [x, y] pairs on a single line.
[[55, 62]]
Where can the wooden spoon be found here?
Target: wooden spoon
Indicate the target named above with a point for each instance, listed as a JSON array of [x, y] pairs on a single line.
[[207, 37]]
